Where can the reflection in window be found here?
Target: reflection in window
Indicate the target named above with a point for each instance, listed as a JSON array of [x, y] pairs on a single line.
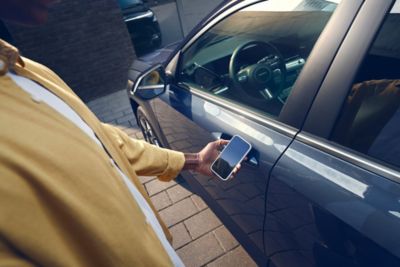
[[370, 119]]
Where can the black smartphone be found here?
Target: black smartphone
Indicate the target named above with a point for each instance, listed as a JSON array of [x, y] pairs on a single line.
[[233, 153]]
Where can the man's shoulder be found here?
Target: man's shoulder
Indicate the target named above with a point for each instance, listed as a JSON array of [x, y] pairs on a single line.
[[44, 72]]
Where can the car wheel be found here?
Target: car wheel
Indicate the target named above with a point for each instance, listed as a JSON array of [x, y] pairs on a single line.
[[147, 129]]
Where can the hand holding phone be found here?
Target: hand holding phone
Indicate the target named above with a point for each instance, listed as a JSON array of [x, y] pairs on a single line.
[[233, 153]]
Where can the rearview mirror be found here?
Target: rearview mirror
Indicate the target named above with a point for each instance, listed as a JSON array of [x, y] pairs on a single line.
[[150, 84]]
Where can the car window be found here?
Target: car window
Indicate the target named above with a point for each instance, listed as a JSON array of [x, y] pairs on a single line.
[[254, 56], [370, 119]]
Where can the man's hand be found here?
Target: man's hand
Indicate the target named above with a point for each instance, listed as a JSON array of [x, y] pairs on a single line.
[[201, 162]]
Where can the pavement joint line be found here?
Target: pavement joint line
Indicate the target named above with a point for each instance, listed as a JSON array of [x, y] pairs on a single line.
[[210, 231], [224, 254], [214, 259], [219, 241], [206, 233], [191, 239], [173, 204], [159, 193]]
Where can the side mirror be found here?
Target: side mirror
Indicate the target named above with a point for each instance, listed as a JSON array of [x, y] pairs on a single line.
[[150, 84]]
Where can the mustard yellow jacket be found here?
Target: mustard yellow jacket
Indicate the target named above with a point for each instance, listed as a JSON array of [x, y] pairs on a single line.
[[61, 201]]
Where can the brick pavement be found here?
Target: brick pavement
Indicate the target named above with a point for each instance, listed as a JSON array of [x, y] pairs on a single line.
[[199, 237]]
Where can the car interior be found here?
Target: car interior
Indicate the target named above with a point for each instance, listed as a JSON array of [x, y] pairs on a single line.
[[243, 60]]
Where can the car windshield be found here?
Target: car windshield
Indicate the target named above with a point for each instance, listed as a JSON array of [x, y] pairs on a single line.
[[129, 3]]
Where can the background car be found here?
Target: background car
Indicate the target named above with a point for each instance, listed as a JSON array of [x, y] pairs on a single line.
[[142, 25], [314, 87]]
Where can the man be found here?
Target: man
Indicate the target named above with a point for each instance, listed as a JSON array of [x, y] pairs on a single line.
[[69, 193]]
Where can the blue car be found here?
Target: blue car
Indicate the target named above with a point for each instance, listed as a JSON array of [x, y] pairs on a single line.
[[314, 86]]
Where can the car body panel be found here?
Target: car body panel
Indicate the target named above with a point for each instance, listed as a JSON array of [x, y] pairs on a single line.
[[323, 211]]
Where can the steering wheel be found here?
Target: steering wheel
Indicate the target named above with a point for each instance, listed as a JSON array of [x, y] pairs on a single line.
[[264, 79]]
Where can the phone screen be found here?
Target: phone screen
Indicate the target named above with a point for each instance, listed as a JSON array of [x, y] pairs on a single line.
[[232, 155]]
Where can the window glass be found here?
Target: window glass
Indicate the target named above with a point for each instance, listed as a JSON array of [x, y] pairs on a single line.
[[254, 56], [370, 119]]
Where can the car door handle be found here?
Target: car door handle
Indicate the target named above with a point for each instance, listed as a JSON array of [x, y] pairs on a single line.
[[252, 158], [219, 135]]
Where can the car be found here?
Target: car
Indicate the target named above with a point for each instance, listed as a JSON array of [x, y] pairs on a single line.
[[142, 25], [314, 86]]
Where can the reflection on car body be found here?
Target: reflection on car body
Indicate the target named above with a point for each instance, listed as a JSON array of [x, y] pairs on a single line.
[[313, 85]]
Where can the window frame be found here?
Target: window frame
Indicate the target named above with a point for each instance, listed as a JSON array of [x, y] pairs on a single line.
[[336, 86]]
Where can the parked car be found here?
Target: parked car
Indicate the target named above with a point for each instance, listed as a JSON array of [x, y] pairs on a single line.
[[142, 25], [314, 86]]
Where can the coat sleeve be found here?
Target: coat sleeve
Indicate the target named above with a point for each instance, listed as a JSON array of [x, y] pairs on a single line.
[[9, 259], [147, 159]]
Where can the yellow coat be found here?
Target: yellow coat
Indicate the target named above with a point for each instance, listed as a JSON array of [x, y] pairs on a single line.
[[61, 201]]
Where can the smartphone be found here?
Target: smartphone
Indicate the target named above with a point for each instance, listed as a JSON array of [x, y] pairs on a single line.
[[233, 153]]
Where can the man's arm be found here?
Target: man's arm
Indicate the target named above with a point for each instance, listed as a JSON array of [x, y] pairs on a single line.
[[148, 160]]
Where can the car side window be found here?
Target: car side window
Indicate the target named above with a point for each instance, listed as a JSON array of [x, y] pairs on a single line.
[[370, 119], [254, 56]]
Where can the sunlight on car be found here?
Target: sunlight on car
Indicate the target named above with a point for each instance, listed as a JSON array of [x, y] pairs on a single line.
[[293, 5], [222, 116]]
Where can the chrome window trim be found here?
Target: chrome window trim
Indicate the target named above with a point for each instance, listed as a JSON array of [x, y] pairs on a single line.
[[349, 156], [244, 111]]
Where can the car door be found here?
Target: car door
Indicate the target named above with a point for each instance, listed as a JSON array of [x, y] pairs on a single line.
[[201, 103], [333, 198]]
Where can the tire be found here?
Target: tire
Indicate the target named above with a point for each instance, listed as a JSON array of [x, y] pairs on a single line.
[[146, 128]]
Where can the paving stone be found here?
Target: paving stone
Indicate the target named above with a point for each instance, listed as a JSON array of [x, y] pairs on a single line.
[[181, 143], [202, 223], [200, 251], [128, 111], [146, 179], [178, 192], [124, 118], [157, 186], [111, 117], [235, 258], [180, 235], [228, 242], [120, 107], [161, 201], [178, 212], [139, 135], [199, 202]]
